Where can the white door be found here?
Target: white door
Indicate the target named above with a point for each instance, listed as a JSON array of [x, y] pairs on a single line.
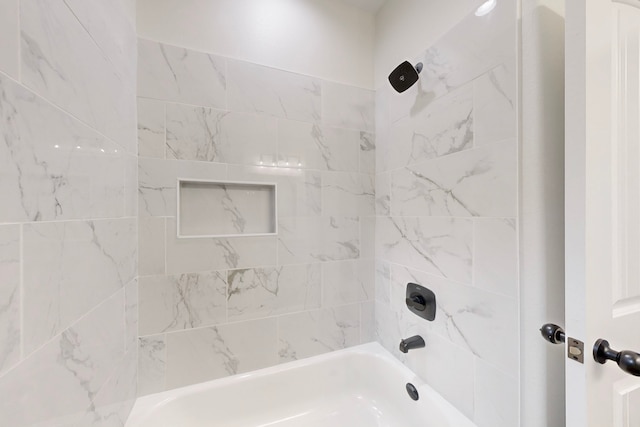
[[602, 206]]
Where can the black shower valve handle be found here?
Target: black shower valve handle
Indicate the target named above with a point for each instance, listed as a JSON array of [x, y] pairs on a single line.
[[417, 302]]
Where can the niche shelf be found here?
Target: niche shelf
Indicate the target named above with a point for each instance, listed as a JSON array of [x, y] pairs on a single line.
[[225, 208]]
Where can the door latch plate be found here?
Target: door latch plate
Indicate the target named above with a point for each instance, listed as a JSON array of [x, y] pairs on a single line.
[[575, 350]]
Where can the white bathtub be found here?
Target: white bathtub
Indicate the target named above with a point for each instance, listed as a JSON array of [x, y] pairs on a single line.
[[360, 386]]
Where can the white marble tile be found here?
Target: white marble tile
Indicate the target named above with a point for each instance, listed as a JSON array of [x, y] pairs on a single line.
[[299, 191], [208, 209], [495, 106], [441, 246], [158, 179], [383, 194], [388, 330], [132, 300], [347, 282], [10, 36], [382, 282], [151, 246], [470, 318], [471, 48], [56, 291], [172, 303], [257, 89], [383, 125], [9, 296], [109, 25], [495, 258], [209, 254], [131, 185], [448, 369], [313, 239], [311, 333], [61, 61], [368, 237], [367, 322], [313, 146], [348, 106], [69, 371], [445, 126], [203, 354], [348, 194], [205, 134], [262, 292], [367, 153], [112, 404], [151, 128], [152, 364], [53, 167], [478, 182], [181, 75], [496, 397]]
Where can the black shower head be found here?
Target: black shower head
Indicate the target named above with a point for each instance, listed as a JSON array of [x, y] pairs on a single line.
[[404, 76]]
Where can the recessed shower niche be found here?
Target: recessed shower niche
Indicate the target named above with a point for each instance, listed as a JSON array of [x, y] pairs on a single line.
[[225, 209]]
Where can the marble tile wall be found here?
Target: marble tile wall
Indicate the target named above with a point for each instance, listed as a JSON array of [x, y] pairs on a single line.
[[68, 217], [446, 199], [212, 307]]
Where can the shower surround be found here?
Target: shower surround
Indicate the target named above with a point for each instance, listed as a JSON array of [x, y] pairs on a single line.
[[447, 209], [68, 216], [213, 307]]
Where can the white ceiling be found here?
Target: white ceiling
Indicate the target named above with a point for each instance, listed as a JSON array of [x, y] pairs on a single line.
[[368, 5]]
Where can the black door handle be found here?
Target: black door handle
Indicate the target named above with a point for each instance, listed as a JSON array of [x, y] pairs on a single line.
[[628, 361], [552, 333]]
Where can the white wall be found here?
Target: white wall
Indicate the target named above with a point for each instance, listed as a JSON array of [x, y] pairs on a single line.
[[320, 38], [403, 29], [542, 210]]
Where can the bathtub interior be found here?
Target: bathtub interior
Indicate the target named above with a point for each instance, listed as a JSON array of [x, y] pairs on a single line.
[[362, 386]]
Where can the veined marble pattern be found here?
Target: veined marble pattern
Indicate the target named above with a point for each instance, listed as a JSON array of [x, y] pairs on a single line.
[[70, 370], [382, 282], [56, 291], [368, 237], [367, 152], [151, 128], [479, 182], [261, 292], [470, 318], [441, 246], [299, 191], [257, 89], [367, 322], [348, 194], [383, 194], [113, 403], [209, 254], [10, 36], [495, 105], [9, 296], [472, 48], [180, 75], [444, 127], [315, 332], [158, 179], [304, 240], [313, 146], [197, 133], [348, 107], [53, 167], [59, 60], [346, 282], [131, 322], [112, 28], [152, 364], [208, 353], [171, 303]]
